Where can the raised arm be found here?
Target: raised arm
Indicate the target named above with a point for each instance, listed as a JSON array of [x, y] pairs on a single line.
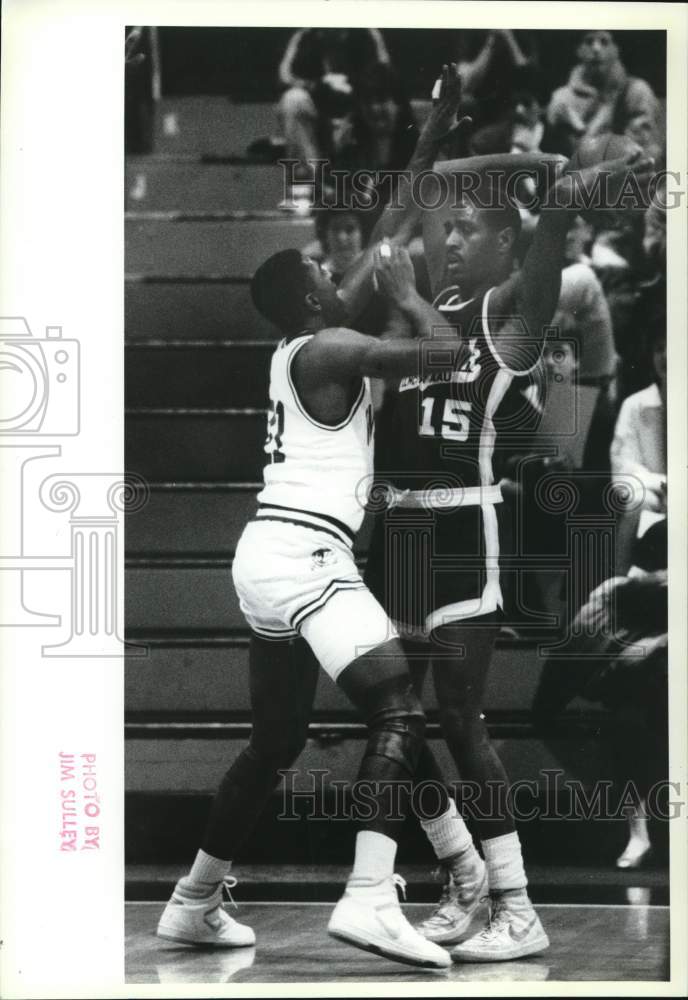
[[401, 215], [524, 305], [461, 176], [340, 355], [286, 73]]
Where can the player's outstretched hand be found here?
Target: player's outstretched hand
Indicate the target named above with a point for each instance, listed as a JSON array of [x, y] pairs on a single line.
[[394, 272], [446, 96]]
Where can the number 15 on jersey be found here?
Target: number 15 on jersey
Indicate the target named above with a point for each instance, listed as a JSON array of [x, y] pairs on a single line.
[[445, 418]]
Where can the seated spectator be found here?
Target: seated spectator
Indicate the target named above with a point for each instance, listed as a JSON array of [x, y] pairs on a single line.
[[601, 97], [383, 133], [340, 239], [638, 455], [520, 129], [618, 259], [582, 309], [318, 70], [491, 65], [654, 236], [618, 656], [142, 84]]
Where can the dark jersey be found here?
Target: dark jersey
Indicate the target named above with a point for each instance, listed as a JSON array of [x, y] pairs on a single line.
[[452, 427]]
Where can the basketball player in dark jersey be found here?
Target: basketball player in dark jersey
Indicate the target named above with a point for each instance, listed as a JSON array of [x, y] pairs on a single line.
[[434, 561]]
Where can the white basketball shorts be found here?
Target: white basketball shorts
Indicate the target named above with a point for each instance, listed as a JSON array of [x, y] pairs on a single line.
[[299, 581]]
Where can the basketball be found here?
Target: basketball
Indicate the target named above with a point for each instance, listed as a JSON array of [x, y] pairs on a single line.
[[599, 149]]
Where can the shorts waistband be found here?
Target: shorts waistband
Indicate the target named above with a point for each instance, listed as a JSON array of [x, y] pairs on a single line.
[[306, 519], [439, 498]]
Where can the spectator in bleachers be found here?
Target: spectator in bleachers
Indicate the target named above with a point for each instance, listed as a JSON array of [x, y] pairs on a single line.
[[618, 657], [638, 454], [318, 70], [582, 310], [619, 261], [340, 239], [141, 65], [383, 132], [600, 96], [520, 129], [492, 65]]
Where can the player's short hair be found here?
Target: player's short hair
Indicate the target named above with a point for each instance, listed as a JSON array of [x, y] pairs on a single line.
[[279, 287], [496, 207]]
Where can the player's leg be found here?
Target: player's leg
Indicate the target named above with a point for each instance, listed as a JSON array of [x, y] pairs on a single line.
[[282, 686], [355, 644], [514, 929], [462, 866]]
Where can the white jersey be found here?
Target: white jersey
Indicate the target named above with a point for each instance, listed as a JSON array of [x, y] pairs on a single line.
[[316, 474]]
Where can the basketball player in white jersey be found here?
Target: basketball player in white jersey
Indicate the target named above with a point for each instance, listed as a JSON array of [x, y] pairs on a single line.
[[295, 575]]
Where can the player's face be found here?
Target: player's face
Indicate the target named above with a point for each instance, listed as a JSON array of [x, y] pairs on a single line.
[[324, 290], [471, 247]]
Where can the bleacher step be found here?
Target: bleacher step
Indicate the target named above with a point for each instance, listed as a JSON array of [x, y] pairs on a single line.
[[191, 185], [196, 309], [198, 445], [206, 124], [215, 680], [207, 247], [185, 522]]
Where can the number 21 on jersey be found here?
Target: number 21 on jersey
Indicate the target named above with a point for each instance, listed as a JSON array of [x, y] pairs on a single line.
[[445, 418]]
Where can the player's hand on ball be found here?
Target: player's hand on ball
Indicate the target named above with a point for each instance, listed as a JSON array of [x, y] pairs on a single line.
[[612, 176], [394, 272]]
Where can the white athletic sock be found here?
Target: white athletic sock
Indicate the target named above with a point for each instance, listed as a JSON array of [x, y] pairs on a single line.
[[448, 833], [374, 859], [205, 875], [504, 862]]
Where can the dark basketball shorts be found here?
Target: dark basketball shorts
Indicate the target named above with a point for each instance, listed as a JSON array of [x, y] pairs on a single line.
[[429, 568]]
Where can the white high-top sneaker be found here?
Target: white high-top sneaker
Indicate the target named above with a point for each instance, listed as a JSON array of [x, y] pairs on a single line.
[[204, 921], [458, 903], [513, 931], [369, 917]]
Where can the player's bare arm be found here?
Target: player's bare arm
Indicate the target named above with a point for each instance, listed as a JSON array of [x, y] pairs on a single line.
[[327, 371], [401, 215], [531, 295]]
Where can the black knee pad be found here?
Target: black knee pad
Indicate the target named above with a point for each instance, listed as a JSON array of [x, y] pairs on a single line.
[[398, 739]]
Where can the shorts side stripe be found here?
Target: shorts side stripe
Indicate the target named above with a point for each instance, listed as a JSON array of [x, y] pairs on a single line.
[[332, 588], [274, 633]]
